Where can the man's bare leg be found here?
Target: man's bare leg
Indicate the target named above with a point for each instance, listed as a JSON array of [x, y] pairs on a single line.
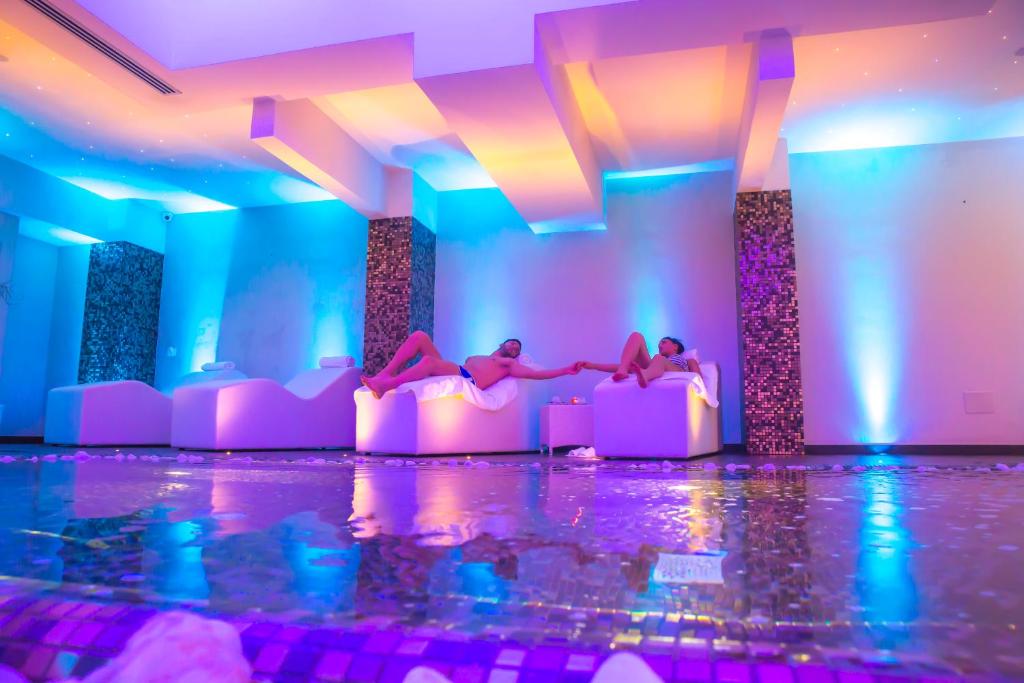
[[635, 351], [417, 343], [427, 367]]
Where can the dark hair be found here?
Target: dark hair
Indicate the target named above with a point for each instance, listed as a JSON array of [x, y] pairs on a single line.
[[679, 345], [512, 339]]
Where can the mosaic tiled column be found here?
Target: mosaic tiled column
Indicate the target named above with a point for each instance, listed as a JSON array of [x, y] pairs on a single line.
[[122, 313], [773, 407], [400, 258]]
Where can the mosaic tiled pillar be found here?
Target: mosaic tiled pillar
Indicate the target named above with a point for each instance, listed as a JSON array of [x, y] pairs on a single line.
[[122, 313], [773, 407], [400, 257]]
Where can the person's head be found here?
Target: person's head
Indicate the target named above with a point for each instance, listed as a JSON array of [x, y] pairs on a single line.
[[511, 348], [669, 346]]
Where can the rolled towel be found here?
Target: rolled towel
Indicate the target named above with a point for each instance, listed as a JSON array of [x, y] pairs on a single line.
[[221, 365], [337, 362]]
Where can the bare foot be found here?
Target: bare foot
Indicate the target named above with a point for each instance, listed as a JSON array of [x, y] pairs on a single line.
[[619, 375], [371, 384], [639, 372]]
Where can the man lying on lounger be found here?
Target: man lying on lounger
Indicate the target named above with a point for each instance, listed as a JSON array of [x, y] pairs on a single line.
[[483, 371]]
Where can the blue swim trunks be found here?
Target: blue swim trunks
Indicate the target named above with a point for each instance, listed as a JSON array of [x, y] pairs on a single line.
[[465, 373]]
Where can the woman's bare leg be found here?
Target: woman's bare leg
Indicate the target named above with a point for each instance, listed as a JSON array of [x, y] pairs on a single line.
[[635, 351], [656, 369], [417, 343], [427, 367]]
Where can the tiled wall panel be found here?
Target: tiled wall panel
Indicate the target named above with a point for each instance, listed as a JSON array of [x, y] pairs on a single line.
[[400, 259], [773, 412], [122, 313]]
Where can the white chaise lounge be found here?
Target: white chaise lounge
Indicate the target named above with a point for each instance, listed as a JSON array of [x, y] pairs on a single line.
[[122, 413], [441, 415], [314, 410], [676, 416]]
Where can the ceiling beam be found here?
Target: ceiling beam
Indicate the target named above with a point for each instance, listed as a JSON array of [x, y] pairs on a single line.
[[768, 87], [302, 136]]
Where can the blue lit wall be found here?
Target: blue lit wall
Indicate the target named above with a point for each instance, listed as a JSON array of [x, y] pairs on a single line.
[[665, 265], [272, 289], [909, 276], [29, 318]]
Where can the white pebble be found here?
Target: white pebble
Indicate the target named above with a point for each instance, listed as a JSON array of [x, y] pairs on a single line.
[[1002, 467], [837, 468], [7, 458], [482, 465]]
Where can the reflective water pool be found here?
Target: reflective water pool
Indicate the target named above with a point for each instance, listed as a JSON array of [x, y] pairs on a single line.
[[891, 560]]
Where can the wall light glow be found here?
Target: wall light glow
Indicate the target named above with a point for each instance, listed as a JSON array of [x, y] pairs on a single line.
[[871, 320], [328, 338]]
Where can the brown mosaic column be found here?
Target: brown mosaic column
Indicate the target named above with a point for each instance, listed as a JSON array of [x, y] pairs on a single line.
[[400, 258], [773, 406]]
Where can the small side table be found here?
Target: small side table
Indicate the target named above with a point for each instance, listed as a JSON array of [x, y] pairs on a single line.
[[566, 425]]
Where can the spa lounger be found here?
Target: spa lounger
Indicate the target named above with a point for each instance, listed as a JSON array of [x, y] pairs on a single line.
[[676, 416], [439, 415], [122, 413], [314, 410]]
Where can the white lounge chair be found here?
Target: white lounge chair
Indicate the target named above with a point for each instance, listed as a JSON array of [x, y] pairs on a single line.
[[314, 410], [674, 417], [121, 413], [448, 414]]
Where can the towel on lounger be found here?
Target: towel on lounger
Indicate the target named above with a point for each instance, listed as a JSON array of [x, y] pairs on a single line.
[[217, 367], [337, 362], [494, 397], [706, 388]]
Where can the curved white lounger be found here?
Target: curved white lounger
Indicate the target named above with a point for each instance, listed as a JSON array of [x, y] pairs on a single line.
[[668, 419], [314, 410], [122, 413]]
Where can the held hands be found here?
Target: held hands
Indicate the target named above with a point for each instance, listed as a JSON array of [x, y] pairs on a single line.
[[575, 368]]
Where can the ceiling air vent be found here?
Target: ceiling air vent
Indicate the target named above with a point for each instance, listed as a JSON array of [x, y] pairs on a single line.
[[103, 46]]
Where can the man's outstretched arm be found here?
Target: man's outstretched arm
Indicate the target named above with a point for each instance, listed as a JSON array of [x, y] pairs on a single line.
[[523, 372]]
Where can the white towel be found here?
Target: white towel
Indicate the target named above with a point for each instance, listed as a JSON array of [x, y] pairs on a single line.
[[337, 362], [706, 388], [495, 397], [216, 367]]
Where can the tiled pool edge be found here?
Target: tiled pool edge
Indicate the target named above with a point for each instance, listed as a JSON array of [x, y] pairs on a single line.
[[51, 637]]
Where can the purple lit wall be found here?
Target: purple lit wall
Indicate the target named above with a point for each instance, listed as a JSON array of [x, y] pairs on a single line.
[[773, 412]]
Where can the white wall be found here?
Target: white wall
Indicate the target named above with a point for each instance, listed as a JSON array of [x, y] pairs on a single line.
[[910, 265], [665, 266]]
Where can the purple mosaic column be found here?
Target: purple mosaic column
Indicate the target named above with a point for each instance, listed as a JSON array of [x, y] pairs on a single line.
[[400, 258], [773, 405]]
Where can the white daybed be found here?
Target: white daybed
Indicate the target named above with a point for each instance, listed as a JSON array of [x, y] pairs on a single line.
[[449, 414], [677, 416]]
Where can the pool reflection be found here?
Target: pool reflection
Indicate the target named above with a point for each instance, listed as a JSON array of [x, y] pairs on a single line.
[[580, 551]]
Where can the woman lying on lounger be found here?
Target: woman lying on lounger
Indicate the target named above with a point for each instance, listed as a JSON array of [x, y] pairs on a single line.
[[483, 371], [636, 360]]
